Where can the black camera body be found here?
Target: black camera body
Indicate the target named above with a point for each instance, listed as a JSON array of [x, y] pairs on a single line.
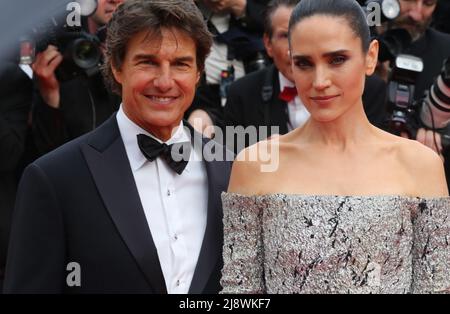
[[81, 54], [81, 51], [401, 88], [431, 111], [404, 68]]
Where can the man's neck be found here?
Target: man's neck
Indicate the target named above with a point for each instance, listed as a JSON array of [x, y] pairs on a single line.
[[92, 26]]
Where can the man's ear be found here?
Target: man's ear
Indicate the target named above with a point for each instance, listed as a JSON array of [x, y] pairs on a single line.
[[117, 74], [198, 79], [372, 57], [268, 45]]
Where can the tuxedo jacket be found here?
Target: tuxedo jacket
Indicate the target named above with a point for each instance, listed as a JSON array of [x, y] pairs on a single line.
[[80, 204], [15, 103], [253, 101]]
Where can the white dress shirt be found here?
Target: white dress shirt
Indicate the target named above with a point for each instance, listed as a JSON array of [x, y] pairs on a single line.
[[298, 114], [217, 60], [175, 205]]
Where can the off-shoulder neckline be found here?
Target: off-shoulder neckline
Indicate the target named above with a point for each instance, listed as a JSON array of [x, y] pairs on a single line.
[[336, 196]]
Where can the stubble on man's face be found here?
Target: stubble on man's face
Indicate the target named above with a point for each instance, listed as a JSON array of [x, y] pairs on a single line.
[[415, 29]]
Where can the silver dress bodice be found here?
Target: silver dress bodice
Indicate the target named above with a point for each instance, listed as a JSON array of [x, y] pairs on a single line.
[[335, 244]]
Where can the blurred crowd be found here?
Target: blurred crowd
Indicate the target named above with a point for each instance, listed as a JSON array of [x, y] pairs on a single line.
[[60, 93]]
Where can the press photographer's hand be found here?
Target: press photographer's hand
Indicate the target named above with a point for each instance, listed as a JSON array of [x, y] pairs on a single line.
[[44, 68]]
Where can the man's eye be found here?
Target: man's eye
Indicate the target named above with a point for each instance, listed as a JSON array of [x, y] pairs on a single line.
[[181, 65], [147, 62]]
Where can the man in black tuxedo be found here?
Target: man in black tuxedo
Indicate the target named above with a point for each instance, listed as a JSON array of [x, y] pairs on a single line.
[[117, 210], [15, 103], [256, 100]]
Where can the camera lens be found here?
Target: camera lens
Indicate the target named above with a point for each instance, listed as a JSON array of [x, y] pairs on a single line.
[[436, 106], [86, 54], [84, 50]]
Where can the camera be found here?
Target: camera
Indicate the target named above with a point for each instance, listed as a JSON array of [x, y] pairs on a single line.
[[435, 110], [404, 68], [434, 107], [435, 113], [81, 50], [401, 92]]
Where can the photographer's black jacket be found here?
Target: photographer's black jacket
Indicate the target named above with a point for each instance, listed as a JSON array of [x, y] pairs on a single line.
[[85, 104], [15, 103]]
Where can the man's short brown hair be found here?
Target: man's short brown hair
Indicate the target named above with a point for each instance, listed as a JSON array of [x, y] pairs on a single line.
[[135, 16]]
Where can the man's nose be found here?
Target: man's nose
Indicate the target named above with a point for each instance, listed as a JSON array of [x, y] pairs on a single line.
[[416, 11], [164, 81]]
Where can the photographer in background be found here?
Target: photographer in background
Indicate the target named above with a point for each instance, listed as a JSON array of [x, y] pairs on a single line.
[[433, 47], [15, 102], [65, 110], [238, 49]]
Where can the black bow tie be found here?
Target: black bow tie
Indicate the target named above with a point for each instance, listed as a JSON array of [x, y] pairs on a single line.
[[176, 155]]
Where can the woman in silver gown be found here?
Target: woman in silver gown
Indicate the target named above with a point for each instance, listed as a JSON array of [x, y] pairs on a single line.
[[349, 208]]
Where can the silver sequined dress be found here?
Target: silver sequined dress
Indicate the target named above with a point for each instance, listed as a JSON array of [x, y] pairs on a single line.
[[335, 244]]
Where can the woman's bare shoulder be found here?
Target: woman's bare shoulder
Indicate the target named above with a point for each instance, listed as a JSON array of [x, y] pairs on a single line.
[[252, 167], [424, 166]]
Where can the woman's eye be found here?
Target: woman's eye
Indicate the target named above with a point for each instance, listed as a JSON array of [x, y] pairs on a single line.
[[338, 60], [303, 64]]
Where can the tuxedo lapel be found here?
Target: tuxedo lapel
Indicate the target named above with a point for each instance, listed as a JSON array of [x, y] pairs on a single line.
[[279, 111], [107, 160], [211, 251], [273, 109]]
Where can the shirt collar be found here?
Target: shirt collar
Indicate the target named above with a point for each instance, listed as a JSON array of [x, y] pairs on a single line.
[[284, 82], [129, 130]]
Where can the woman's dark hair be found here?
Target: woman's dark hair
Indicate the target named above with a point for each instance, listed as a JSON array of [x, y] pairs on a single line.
[[135, 16], [350, 10]]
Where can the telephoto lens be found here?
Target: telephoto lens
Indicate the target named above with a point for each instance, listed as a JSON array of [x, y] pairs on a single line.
[[435, 112]]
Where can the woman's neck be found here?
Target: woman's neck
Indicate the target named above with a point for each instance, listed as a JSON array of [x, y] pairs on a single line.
[[350, 129]]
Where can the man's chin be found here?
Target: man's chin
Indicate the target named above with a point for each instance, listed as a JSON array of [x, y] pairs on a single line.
[[414, 31], [416, 34]]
